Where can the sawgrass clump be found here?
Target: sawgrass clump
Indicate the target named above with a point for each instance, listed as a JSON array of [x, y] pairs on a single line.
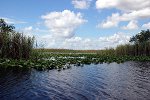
[[14, 44]]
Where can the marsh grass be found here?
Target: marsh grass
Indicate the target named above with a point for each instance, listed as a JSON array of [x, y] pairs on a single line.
[[13, 44]]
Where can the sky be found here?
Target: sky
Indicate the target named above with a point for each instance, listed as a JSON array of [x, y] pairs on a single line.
[[78, 24]]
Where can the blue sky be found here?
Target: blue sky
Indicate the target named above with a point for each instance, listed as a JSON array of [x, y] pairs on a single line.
[[78, 24]]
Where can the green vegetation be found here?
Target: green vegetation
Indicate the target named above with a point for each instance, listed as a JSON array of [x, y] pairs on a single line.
[[140, 45], [17, 52], [13, 44], [65, 61], [66, 51]]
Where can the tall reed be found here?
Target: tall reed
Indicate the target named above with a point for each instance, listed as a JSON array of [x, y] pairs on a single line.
[[13, 44]]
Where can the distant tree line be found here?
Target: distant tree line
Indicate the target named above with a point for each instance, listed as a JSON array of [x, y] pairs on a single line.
[[139, 45], [14, 44]]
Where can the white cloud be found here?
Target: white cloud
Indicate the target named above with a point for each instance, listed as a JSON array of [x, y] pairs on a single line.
[[84, 43], [131, 10], [110, 22], [47, 40], [32, 31], [28, 28], [28, 31], [147, 25], [139, 14], [125, 5], [114, 40], [131, 25], [81, 4], [116, 18], [12, 21], [63, 24], [100, 4]]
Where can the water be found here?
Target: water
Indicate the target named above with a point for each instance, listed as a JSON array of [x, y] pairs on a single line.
[[126, 81]]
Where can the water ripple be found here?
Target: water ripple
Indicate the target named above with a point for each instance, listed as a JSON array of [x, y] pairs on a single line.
[[126, 81]]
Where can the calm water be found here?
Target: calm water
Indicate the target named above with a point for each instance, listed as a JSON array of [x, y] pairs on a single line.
[[127, 81]]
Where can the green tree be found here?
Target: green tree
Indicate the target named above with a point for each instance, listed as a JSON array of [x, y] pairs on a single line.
[[143, 36], [141, 42], [4, 27]]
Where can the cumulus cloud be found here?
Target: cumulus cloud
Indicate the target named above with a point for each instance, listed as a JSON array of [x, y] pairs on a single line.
[[139, 14], [125, 5], [110, 22], [147, 25], [116, 18], [131, 25], [12, 21], [81, 4], [32, 31], [28, 28], [85, 43], [63, 24], [131, 10], [50, 41], [114, 40]]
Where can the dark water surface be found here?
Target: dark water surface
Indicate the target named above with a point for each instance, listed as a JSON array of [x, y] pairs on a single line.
[[127, 81]]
